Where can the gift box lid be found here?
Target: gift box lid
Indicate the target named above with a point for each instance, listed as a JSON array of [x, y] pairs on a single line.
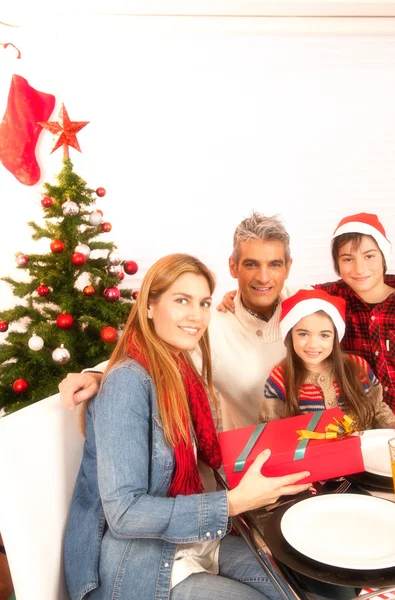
[[282, 437]]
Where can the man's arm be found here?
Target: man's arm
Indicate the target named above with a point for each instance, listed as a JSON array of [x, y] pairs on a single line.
[[80, 387]]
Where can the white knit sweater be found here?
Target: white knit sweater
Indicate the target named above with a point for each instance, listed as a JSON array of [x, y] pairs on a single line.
[[245, 349]]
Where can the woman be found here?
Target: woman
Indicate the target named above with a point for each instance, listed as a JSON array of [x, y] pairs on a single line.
[[146, 521]]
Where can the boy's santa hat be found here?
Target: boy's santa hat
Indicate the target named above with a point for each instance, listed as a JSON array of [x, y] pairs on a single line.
[[367, 224], [307, 302]]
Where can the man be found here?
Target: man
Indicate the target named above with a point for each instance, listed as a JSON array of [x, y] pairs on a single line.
[[246, 344]]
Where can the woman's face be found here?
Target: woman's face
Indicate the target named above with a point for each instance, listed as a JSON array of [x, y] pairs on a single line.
[[312, 339], [182, 313]]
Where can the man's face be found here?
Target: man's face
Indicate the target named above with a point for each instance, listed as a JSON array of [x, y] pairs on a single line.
[[362, 268], [261, 272]]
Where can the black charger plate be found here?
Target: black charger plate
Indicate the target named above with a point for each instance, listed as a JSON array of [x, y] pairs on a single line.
[[370, 480], [285, 553]]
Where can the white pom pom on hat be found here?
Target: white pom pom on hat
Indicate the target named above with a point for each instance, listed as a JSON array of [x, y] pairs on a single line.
[[367, 224], [307, 302]]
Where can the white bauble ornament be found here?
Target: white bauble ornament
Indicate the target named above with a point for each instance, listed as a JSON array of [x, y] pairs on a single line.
[[83, 249], [95, 218], [70, 208], [35, 342], [114, 270], [61, 355], [114, 257]]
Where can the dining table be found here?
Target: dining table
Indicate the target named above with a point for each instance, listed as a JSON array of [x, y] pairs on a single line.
[[339, 532]]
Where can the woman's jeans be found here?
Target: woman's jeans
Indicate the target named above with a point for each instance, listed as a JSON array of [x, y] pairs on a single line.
[[241, 577]]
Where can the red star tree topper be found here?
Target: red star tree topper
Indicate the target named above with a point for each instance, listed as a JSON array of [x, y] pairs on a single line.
[[68, 131]]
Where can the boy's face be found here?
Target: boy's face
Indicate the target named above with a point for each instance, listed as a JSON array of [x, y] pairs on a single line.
[[361, 268]]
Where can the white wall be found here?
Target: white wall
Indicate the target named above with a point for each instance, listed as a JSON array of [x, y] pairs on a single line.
[[196, 121]]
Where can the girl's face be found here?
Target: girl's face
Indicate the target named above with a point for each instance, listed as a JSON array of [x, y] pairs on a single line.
[[312, 339], [182, 313]]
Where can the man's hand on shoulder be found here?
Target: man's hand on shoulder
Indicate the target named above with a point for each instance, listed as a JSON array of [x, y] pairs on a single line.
[[79, 387], [227, 303]]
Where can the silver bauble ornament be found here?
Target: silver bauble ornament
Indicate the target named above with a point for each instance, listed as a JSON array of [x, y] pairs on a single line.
[[114, 257], [35, 342], [95, 218], [61, 355], [70, 208], [83, 249], [114, 270]]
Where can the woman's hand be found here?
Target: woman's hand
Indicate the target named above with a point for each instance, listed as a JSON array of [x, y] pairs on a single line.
[[255, 490], [79, 387], [227, 302]]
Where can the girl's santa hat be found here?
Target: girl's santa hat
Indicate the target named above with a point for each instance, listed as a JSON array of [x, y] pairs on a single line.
[[366, 224], [307, 302]]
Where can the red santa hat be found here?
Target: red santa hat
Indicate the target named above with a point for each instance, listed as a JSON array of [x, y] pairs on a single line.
[[307, 302], [366, 224]]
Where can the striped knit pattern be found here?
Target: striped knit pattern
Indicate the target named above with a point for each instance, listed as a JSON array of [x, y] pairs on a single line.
[[311, 395]]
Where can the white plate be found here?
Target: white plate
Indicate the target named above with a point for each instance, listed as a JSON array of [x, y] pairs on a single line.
[[343, 530], [375, 451]]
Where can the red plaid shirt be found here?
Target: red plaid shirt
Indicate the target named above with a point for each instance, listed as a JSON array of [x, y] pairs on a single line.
[[370, 332]]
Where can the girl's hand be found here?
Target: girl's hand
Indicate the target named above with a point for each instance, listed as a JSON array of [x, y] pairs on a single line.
[[255, 490], [227, 302]]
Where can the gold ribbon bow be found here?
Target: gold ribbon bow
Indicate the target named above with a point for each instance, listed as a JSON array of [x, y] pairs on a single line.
[[336, 430]]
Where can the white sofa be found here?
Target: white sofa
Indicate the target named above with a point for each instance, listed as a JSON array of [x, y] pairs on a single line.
[[40, 450]]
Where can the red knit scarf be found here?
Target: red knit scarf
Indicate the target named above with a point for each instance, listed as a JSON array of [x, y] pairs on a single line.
[[186, 479]]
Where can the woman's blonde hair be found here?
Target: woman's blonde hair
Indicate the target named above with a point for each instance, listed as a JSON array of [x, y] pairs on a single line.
[[170, 393]]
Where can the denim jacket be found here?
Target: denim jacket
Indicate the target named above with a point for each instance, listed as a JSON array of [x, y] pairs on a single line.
[[122, 483]]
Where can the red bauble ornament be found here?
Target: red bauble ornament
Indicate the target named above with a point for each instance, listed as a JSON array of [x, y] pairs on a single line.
[[43, 290], [109, 335], [101, 192], [47, 201], [78, 259], [112, 294], [135, 294], [130, 267], [3, 326], [20, 386], [89, 290], [121, 276], [99, 211], [22, 260], [106, 226], [57, 246], [64, 321]]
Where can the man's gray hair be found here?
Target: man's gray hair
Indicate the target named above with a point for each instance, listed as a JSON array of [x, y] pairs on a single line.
[[260, 227]]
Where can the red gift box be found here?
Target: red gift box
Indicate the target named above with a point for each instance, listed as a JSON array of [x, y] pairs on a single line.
[[323, 458]]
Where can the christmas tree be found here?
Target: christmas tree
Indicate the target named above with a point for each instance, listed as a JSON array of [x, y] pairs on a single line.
[[72, 309]]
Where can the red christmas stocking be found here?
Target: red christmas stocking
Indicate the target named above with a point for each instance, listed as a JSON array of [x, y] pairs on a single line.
[[19, 129]]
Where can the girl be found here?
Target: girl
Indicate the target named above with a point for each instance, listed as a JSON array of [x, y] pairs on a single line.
[[316, 374], [146, 521]]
